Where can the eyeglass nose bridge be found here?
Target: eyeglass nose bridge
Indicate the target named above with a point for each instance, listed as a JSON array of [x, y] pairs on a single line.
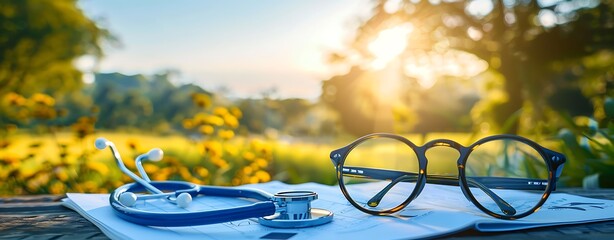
[[443, 142], [462, 150]]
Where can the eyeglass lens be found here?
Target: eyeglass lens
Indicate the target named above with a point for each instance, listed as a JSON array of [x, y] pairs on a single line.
[[376, 161], [504, 166]]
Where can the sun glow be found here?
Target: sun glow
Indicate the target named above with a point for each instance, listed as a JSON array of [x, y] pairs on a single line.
[[426, 67], [393, 64], [389, 44]]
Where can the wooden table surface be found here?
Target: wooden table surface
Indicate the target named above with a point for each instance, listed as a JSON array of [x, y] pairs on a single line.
[[43, 217]]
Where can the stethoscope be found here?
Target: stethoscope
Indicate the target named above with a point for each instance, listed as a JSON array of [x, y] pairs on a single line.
[[289, 209]]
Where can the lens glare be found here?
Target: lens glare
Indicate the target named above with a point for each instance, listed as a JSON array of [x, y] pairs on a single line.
[[388, 166], [497, 169]]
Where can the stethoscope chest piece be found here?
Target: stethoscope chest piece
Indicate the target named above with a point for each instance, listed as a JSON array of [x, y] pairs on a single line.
[[295, 211]]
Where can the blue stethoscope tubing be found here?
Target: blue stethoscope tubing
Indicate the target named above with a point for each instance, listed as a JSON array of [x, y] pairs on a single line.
[[265, 207], [287, 209]]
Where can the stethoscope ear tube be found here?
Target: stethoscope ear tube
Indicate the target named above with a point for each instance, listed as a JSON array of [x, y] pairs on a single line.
[[194, 218], [178, 219]]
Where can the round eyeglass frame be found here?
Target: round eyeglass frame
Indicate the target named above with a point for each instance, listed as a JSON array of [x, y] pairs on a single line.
[[554, 162]]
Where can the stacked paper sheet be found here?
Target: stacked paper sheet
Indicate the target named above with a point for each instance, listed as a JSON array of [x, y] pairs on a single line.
[[439, 210]]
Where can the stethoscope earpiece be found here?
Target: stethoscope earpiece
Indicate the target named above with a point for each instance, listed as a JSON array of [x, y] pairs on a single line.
[[128, 199], [155, 155], [101, 143], [184, 200]]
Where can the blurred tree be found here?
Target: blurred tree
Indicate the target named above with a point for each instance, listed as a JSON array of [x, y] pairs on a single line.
[[352, 96], [528, 43], [39, 43], [293, 116], [262, 114], [144, 102]]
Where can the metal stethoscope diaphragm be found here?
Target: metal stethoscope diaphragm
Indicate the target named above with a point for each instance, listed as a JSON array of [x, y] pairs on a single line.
[[288, 209]]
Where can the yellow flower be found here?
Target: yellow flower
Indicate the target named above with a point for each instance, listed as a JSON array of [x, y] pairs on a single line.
[[187, 124], [200, 119], [231, 121], [202, 100], [202, 172], [129, 163], [263, 176], [57, 188], [236, 112], [84, 126], [261, 147], [195, 181], [98, 167], [14, 99], [35, 183], [220, 111], [43, 99], [185, 173], [236, 181], [253, 179], [248, 156], [26, 172], [247, 170], [232, 150], [254, 165], [261, 162], [226, 134], [9, 158], [212, 148], [132, 144], [206, 129], [219, 162], [126, 179], [162, 174], [61, 174], [150, 168], [87, 186], [215, 120]]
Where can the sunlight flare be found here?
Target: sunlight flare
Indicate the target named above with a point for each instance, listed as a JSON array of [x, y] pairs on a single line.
[[428, 67], [389, 44]]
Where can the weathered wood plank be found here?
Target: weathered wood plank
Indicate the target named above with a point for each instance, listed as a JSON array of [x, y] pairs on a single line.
[[52, 221]]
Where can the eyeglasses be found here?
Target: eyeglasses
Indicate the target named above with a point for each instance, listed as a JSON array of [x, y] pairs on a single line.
[[490, 172]]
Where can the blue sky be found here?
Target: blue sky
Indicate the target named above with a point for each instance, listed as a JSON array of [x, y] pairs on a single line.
[[246, 46]]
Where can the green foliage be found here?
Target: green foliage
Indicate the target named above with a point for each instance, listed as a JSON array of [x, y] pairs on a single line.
[[153, 103], [142, 102], [589, 148], [39, 43], [114, 100], [539, 62]]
